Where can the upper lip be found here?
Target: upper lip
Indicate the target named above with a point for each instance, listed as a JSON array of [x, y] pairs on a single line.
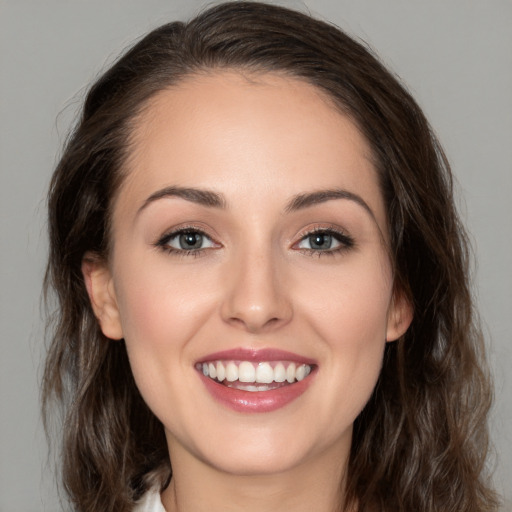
[[248, 354]]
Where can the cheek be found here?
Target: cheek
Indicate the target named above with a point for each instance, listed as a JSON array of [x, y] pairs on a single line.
[[160, 313], [351, 301], [159, 316], [349, 315], [158, 306]]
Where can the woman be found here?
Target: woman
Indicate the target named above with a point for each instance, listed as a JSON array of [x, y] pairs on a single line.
[[263, 282]]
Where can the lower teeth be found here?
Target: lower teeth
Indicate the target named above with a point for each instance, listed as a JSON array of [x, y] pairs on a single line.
[[253, 387]]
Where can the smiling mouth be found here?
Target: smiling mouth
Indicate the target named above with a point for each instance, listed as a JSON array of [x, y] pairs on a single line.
[[254, 376]]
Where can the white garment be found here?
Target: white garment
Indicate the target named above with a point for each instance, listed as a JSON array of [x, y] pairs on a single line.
[[150, 502]]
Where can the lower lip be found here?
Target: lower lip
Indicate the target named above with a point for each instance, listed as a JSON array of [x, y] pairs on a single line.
[[256, 401]]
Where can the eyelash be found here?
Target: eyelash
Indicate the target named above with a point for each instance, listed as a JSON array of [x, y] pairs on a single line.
[[163, 242], [346, 242]]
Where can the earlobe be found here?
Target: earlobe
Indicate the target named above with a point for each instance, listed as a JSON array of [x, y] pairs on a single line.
[[400, 316], [100, 287]]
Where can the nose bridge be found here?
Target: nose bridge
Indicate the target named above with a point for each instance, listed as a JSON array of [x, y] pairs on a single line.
[[256, 298]]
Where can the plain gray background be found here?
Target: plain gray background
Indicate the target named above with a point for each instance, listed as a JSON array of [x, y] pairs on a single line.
[[454, 55]]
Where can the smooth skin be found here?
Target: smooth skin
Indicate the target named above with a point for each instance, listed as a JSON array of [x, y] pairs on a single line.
[[275, 265]]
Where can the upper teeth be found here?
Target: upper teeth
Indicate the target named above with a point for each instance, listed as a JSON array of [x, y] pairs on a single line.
[[262, 372]]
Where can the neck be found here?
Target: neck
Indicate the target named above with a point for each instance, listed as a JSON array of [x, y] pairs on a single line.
[[198, 487]]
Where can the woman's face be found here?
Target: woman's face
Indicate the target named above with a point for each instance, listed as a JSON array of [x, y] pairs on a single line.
[[249, 243]]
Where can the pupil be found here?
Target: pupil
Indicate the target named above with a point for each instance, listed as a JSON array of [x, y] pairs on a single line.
[[191, 241], [320, 241]]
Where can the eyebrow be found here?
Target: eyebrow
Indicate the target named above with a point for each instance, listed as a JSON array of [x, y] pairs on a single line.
[[216, 200], [195, 195], [306, 200]]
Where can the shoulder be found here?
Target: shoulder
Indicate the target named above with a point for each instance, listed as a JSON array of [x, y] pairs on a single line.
[[150, 502]]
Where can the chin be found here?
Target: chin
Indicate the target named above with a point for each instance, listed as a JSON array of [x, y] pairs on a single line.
[[257, 460]]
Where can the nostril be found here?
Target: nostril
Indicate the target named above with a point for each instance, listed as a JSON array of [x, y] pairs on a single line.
[[255, 325], [255, 300]]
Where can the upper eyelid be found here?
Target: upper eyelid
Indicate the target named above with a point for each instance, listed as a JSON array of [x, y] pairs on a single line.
[[173, 232], [345, 239], [180, 228], [330, 229]]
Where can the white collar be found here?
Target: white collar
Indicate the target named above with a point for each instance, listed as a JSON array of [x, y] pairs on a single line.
[[150, 502]]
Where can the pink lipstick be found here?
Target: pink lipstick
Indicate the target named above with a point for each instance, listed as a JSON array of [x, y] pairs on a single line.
[[256, 380]]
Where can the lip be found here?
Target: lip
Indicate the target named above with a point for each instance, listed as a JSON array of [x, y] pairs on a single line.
[[266, 354], [257, 401]]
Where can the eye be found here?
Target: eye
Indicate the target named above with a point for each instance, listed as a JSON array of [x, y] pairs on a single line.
[[186, 240], [319, 242], [325, 240]]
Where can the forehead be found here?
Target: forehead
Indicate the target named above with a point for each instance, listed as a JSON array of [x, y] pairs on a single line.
[[231, 131]]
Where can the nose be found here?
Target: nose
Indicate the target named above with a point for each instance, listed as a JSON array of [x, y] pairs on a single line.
[[256, 297]]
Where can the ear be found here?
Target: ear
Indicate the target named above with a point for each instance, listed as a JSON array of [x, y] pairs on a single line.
[[400, 316], [100, 287]]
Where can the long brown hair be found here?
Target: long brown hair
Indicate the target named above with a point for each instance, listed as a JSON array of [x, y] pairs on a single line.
[[421, 442]]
